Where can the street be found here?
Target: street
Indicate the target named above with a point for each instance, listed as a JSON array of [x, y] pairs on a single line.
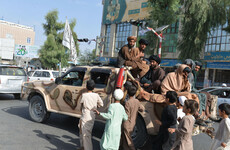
[[18, 132]]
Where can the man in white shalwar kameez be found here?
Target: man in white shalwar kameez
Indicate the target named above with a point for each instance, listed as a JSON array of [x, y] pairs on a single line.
[[89, 102]]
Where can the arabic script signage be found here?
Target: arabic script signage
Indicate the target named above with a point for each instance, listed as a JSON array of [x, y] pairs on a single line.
[[223, 56]]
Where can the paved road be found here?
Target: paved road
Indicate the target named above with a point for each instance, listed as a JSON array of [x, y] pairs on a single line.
[[18, 132]]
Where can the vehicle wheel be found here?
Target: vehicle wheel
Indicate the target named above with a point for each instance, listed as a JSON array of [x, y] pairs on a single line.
[[139, 134], [17, 96], [37, 109]]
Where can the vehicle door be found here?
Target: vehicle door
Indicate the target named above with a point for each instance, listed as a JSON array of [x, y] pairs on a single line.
[[36, 76], [65, 96], [104, 85]]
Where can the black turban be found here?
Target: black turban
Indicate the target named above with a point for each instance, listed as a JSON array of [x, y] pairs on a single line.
[[156, 58], [143, 41], [198, 64]]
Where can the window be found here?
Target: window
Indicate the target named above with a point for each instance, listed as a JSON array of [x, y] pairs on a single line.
[[100, 77], [11, 71], [107, 39], [74, 78], [123, 31], [218, 40], [46, 74], [170, 36], [38, 74], [28, 40]]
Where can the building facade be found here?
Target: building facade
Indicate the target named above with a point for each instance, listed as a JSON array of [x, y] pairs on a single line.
[[13, 36], [22, 35], [115, 29]]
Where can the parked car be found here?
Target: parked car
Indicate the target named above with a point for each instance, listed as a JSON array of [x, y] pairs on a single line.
[[44, 75], [11, 79]]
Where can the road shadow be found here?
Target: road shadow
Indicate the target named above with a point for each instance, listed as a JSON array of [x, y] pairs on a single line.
[[60, 121], [55, 140], [20, 111]]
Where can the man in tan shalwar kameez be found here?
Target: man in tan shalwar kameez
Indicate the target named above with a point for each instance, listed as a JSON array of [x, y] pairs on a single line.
[[132, 58], [178, 81]]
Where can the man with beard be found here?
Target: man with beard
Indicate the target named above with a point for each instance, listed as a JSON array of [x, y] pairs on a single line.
[[129, 56], [152, 79], [127, 52]]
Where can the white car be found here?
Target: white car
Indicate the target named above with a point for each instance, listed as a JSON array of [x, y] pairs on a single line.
[[11, 79], [44, 75]]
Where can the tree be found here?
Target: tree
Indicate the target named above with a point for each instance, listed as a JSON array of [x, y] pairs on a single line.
[[198, 18], [228, 17], [163, 12], [87, 57], [53, 52]]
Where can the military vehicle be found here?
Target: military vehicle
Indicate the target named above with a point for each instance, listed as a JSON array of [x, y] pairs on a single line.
[[63, 96]]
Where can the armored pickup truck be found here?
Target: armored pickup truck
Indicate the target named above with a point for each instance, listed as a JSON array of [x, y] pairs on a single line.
[[63, 96]]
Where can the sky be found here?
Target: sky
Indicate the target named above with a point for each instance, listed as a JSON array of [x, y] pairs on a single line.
[[88, 14]]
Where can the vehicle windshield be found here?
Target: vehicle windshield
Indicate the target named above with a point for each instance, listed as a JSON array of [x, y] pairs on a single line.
[[12, 71], [56, 74]]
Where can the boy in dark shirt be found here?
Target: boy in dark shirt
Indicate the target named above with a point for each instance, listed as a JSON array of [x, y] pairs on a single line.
[[165, 139]]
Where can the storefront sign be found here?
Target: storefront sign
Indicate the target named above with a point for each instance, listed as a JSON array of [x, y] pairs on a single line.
[[218, 65], [223, 56], [169, 62]]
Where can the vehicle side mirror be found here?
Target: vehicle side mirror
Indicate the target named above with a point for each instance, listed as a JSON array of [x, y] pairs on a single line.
[[58, 80]]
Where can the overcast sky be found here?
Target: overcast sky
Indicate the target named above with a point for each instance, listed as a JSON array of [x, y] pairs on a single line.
[[88, 14]]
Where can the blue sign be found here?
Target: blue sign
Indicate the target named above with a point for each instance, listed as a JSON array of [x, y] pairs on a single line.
[[169, 62], [224, 56], [218, 65]]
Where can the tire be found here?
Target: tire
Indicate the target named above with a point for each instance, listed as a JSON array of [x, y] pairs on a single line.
[[17, 96], [37, 109], [139, 135]]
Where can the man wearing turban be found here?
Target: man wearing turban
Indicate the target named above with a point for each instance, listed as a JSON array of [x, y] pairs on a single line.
[[129, 56]]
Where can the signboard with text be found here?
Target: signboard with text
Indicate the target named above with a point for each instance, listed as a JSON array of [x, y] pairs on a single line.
[[213, 56], [26, 51]]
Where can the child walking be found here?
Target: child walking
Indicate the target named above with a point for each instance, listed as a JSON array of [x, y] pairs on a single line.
[[222, 138], [115, 115], [89, 102], [132, 106], [165, 139], [185, 127]]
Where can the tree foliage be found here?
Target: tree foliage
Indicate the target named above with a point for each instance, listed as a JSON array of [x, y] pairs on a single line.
[[87, 57], [53, 52], [198, 18], [162, 12], [228, 16]]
